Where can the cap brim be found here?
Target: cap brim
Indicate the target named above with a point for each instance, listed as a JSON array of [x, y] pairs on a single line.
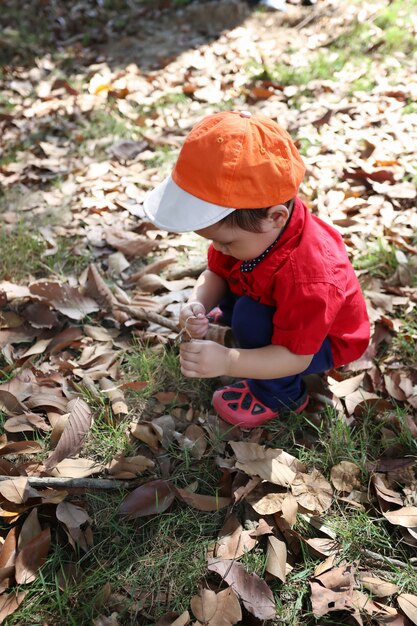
[[171, 208]]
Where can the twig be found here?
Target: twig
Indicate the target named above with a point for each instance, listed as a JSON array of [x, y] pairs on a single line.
[[386, 559], [75, 483], [140, 313]]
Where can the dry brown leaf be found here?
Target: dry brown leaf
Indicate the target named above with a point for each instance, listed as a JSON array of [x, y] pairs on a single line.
[[216, 609], [116, 396], [290, 509], [129, 467], [312, 492], [75, 430], [27, 422], [276, 558], [201, 502], [152, 498], [255, 594], [181, 620], [32, 557], [274, 465], [194, 441], [378, 587], [233, 541], [17, 490], [9, 603], [76, 468], [30, 529], [408, 604], [265, 503], [145, 431], [345, 476], [383, 491], [325, 600], [9, 549], [67, 300], [406, 516], [20, 447], [345, 387]]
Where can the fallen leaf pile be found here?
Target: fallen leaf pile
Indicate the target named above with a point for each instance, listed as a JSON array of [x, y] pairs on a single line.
[[63, 339]]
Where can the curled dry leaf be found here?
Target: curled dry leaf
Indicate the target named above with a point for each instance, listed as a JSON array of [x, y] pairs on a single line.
[[274, 465], [129, 467], [194, 441], [255, 594], [345, 476], [233, 541], [32, 557], [116, 396], [151, 498], [201, 502], [312, 492], [406, 516], [378, 587], [172, 620], [384, 492], [408, 604], [72, 438]]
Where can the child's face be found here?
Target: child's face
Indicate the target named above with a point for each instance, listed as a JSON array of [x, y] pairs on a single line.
[[243, 244]]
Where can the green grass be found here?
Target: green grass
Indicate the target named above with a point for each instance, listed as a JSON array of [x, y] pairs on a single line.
[[20, 253], [379, 260], [159, 367], [156, 562]]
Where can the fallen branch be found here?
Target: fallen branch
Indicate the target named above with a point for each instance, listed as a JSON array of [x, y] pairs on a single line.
[[75, 483], [145, 315]]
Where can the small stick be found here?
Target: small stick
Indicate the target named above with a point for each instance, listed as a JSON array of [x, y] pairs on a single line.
[[140, 313]]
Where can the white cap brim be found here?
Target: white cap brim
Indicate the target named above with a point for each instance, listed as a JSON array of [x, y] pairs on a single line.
[[171, 208]]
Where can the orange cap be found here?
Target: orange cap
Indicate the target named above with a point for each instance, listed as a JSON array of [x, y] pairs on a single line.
[[230, 160]]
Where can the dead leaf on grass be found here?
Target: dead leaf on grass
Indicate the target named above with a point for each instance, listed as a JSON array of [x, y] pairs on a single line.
[[312, 492], [17, 490], [345, 476], [72, 438], [255, 594], [67, 300], [274, 465], [216, 609], [406, 516], [9, 603], [151, 498], [276, 558], [408, 604], [378, 587], [202, 502], [32, 557]]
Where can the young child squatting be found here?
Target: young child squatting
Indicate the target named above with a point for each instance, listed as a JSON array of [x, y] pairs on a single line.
[[278, 275]]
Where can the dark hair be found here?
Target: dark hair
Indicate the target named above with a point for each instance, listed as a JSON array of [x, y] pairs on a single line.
[[249, 219]]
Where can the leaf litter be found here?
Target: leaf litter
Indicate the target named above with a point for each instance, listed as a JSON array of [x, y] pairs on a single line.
[[57, 335]]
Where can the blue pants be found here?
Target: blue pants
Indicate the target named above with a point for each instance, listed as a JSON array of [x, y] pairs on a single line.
[[252, 327]]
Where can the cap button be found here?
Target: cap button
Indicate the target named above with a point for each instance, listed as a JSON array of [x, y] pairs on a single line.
[[245, 114]]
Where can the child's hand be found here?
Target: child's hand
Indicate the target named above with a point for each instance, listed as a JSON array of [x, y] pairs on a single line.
[[193, 319], [203, 359]]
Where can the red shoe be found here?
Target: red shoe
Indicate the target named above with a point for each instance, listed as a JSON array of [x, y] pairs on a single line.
[[237, 405]]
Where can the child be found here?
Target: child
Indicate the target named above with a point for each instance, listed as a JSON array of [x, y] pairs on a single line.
[[281, 276]]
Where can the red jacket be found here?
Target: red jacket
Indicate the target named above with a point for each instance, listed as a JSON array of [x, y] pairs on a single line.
[[309, 280]]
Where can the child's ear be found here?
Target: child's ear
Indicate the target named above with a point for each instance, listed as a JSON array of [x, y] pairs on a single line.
[[278, 215]]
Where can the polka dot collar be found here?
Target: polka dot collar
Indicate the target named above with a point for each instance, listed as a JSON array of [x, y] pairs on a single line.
[[248, 266]]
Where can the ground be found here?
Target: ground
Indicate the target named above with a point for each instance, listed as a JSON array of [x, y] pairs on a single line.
[[96, 100]]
